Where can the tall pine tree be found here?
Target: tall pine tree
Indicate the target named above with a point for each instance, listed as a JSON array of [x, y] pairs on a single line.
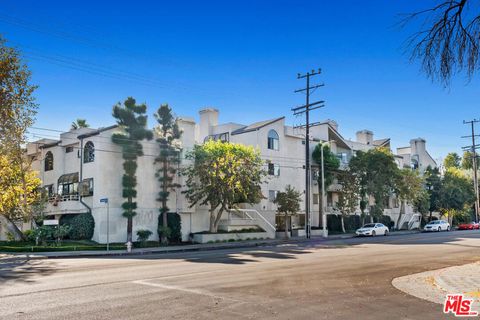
[[133, 121], [168, 138]]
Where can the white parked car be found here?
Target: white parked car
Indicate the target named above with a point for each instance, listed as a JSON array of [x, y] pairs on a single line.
[[437, 225], [372, 229]]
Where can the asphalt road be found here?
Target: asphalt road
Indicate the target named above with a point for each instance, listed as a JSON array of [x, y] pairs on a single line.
[[341, 279]]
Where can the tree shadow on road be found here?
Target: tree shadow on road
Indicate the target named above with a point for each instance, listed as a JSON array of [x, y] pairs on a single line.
[[16, 269]]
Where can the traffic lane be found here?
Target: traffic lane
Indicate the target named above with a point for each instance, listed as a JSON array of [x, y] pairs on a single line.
[[352, 281]]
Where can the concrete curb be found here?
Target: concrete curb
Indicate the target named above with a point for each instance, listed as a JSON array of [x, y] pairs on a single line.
[[186, 248]]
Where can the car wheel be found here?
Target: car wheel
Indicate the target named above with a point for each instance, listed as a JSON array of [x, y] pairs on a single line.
[[373, 233], [448, 228], [439, 229], [386, 233]]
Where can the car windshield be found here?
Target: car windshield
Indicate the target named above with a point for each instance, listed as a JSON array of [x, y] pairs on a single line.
[[434, 222], [371, 225]]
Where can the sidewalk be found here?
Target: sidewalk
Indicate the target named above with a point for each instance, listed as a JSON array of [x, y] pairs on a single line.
[[435, 285], [183, 248]]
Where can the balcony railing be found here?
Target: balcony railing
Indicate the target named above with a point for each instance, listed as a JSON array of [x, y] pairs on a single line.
[[54, 199]]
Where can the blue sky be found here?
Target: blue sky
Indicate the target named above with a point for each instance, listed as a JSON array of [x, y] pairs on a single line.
[[241, 57]]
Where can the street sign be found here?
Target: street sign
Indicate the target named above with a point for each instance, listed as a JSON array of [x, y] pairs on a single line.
[[50, 222], [104, 200]]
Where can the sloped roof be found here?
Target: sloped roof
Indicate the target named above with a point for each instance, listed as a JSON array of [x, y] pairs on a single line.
[[381, 142], [256, 126], [98, 131]]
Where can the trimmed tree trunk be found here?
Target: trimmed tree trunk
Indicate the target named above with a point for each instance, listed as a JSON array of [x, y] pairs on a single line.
[[12, 227], [129, 229], [287, 227], [164, 239], [343, 223], [215, 219], [402, 211]]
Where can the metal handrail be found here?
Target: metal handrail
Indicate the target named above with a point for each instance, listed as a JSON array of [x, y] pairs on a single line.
[[246, 212]]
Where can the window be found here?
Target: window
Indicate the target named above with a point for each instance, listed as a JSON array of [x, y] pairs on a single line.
[[316, 198], [49, 190], [273, 140], [272, 195], [68, 184], [88, 152], [329, 199], [273, 169], [68, 149], [86, 188], [342, 157], [48, 161]]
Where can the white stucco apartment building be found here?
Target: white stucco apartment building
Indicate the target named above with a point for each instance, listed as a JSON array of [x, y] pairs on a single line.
[[84, 166]]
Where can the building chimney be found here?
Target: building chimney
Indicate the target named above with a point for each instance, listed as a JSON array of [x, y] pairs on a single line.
[[208, 119], [418, 146], [365, 137]]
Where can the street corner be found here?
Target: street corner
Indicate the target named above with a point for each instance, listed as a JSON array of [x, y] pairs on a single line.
[[455, 288]]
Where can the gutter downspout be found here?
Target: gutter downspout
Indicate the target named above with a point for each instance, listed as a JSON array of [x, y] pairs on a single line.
[[81, 177]]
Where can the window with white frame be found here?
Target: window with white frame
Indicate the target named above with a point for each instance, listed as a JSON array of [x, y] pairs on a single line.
[[48, 161], [89, 152], [273, 140], [272, 195], [273, 169]]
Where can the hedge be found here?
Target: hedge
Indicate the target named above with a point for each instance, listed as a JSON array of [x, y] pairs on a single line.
[[175, 225], [82, 226]]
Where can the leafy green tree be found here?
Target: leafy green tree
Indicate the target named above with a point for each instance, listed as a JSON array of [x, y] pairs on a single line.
[[79, 123], [409, 186], [17, 103], [168, 138], [421, 203], [467, 160], [331, 163], [132, 121], [17, 113], [222, 175], [349, 195], [19, 191], [456, 194], [377, 174], [433, 185], [452, 160], [288, 202]]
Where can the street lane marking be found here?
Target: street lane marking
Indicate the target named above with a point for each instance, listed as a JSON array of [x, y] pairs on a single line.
[[188, 290]]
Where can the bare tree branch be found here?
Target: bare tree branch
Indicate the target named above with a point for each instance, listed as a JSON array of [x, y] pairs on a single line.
[[449, 40]]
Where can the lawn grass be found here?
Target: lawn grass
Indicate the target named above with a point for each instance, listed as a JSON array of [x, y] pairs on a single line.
[[66, 245]]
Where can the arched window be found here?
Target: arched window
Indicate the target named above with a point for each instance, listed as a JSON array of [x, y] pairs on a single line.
[[48, 161], [273, 140], [88, 152]]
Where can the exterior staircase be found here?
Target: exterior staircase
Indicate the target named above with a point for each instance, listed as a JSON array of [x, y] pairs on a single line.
[[410, 221], [238, 219]]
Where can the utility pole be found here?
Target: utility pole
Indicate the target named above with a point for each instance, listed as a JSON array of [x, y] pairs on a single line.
[[473, 149], [300, 110]]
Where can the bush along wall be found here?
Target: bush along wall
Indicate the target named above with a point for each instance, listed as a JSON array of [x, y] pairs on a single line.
[[81, 226], [174, 225]]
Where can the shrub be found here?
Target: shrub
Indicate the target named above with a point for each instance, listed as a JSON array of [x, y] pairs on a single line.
[[29, 235], [42, 234], [352, 222], [82, 227], [175, 226], [143, 235], [386, 220], [334, 223], [59, 232]]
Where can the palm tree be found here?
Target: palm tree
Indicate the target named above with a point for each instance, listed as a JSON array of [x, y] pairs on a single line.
[[79, 123]]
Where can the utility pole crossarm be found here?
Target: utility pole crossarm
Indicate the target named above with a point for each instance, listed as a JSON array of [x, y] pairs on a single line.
[[305, 109]]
